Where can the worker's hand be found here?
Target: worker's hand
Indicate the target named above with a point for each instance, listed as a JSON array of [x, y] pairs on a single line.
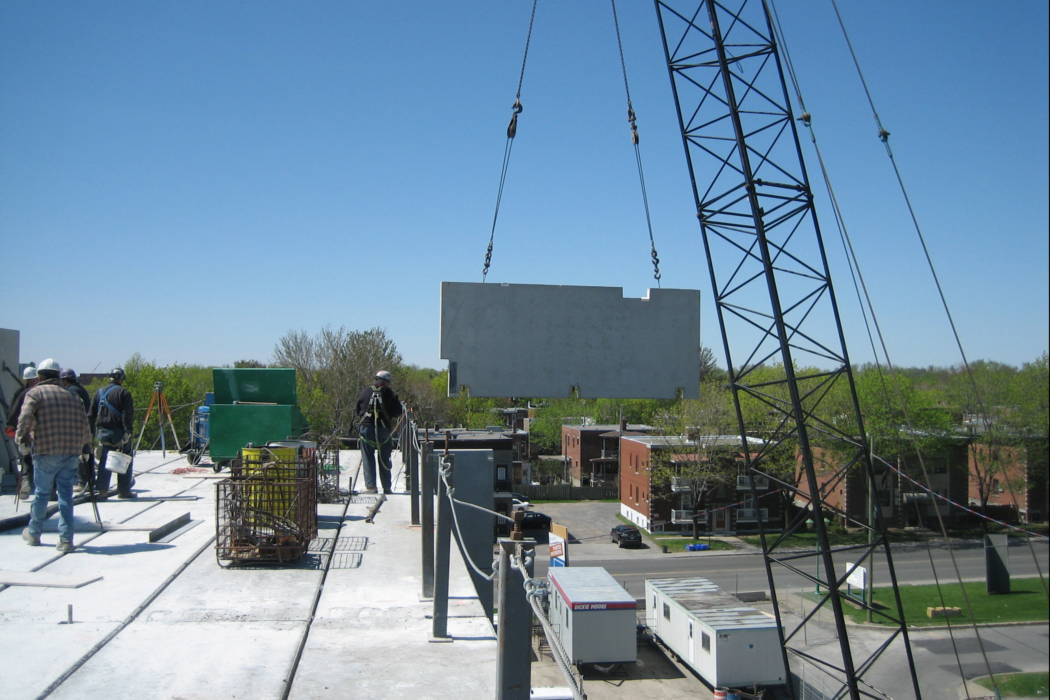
[[23, 450], [84, 457]]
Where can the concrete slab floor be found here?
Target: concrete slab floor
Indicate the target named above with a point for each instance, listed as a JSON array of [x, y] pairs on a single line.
[[166, 621]]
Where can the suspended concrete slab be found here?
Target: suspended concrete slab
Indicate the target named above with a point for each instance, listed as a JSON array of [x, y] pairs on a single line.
[[548, 341]]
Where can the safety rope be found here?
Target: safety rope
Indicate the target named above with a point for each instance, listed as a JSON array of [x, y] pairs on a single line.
[[512, 131], [632, 120]]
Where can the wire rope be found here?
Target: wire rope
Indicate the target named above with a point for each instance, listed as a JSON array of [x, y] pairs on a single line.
[[632, 120], [854, 264], [512, 131]]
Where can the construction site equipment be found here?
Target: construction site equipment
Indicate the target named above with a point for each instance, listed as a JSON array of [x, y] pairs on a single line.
[[200, 431], [592, 615], [726, 643], [159, 402], [328, 471], [252, 405], [774, 298], [267, 512]]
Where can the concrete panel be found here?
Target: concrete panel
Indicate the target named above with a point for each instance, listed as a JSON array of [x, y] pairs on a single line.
[[550, 340]]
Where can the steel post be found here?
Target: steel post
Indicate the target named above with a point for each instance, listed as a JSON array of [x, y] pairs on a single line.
[[442, 545], [427, 524], [412, 469], [513, 652]]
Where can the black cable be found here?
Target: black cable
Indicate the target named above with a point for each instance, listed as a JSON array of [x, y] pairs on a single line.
[[632, 120], [512, 131]]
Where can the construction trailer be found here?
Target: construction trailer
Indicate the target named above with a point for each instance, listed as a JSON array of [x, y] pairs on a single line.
[[594, 618], [727, 644]]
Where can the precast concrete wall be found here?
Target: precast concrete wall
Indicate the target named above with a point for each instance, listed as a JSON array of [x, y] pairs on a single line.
[[551, 340]]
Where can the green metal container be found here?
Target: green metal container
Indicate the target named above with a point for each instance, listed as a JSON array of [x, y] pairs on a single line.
[[233, 426], [261, 385]]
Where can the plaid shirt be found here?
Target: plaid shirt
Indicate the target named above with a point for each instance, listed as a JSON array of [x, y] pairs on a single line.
[[52, 421]]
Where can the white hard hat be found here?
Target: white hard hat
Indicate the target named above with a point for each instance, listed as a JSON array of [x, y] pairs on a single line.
[[384, 375], [29, 373], [48, 365]]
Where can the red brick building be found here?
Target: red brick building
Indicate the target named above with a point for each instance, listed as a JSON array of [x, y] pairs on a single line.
[[592, 451], [662, 505], [1014, 476]]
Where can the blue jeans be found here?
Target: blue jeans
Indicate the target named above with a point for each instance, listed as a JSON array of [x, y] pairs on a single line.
[[102, 479], [59, 471], [370, 437]]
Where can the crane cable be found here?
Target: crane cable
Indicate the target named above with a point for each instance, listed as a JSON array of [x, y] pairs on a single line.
[[512, 131], [854, 263], [632, 121], [884, 137]]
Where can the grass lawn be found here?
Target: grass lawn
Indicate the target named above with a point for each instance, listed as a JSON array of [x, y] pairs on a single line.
[[1019, 685], [1026, 602]]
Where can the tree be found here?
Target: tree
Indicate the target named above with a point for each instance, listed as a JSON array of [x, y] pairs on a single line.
[[332, 368]]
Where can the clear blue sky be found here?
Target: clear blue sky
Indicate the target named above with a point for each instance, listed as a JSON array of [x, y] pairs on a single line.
[[192, 180]]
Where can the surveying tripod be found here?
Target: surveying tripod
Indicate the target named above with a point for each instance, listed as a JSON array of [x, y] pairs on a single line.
[[159, 402]]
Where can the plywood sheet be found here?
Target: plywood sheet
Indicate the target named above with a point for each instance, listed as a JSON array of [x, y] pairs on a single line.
[[533, 340]]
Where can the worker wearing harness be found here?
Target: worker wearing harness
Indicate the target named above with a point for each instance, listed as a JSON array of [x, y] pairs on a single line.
[[29, 379], [377, 406], [112, 412]]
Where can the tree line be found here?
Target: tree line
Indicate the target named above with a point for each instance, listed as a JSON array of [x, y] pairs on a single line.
[[997, 404]]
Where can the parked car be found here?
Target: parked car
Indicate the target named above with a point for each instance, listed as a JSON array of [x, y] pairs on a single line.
[[517, 504], [534, 520], [626, 536]]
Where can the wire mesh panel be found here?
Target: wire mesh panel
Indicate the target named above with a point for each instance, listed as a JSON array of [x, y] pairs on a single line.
[[328, 471]]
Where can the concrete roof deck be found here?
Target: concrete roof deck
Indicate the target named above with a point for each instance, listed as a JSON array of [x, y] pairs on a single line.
[[166, 621]]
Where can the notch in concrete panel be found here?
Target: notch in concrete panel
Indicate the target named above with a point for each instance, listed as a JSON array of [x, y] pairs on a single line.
[[548, 341]]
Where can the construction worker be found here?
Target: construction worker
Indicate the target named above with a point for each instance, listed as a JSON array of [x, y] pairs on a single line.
[[111, 416], [377, 407], [86, 471], [29, 379], [54, 428]]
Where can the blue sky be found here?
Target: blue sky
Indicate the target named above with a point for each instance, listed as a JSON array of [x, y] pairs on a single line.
[[192, 180]]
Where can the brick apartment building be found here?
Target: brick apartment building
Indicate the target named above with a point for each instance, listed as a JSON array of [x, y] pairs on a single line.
[[729, 506], [592, 451], [1018, 478]]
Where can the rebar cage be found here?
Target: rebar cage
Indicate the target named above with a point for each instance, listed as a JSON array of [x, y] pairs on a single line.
[[268, 510]]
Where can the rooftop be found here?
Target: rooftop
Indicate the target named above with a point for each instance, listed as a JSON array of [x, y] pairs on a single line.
[[123, 617]]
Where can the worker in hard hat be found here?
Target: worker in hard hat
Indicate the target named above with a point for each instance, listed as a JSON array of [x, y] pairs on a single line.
[[377, 407], [111, 416], [25, 476], [86, 470], [54, 428]]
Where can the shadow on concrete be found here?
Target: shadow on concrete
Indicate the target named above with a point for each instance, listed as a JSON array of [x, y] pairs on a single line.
[[120, 549]]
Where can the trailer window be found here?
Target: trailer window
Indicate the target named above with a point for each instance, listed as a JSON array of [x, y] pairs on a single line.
[[667, 611], [705, 641]]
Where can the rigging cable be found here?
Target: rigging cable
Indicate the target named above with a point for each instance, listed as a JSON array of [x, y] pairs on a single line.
[[632, 121], [512, 131], [884, 137], [855, 265]]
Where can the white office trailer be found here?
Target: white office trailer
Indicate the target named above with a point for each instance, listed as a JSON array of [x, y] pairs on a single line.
[[727, 644], [594, 618]]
